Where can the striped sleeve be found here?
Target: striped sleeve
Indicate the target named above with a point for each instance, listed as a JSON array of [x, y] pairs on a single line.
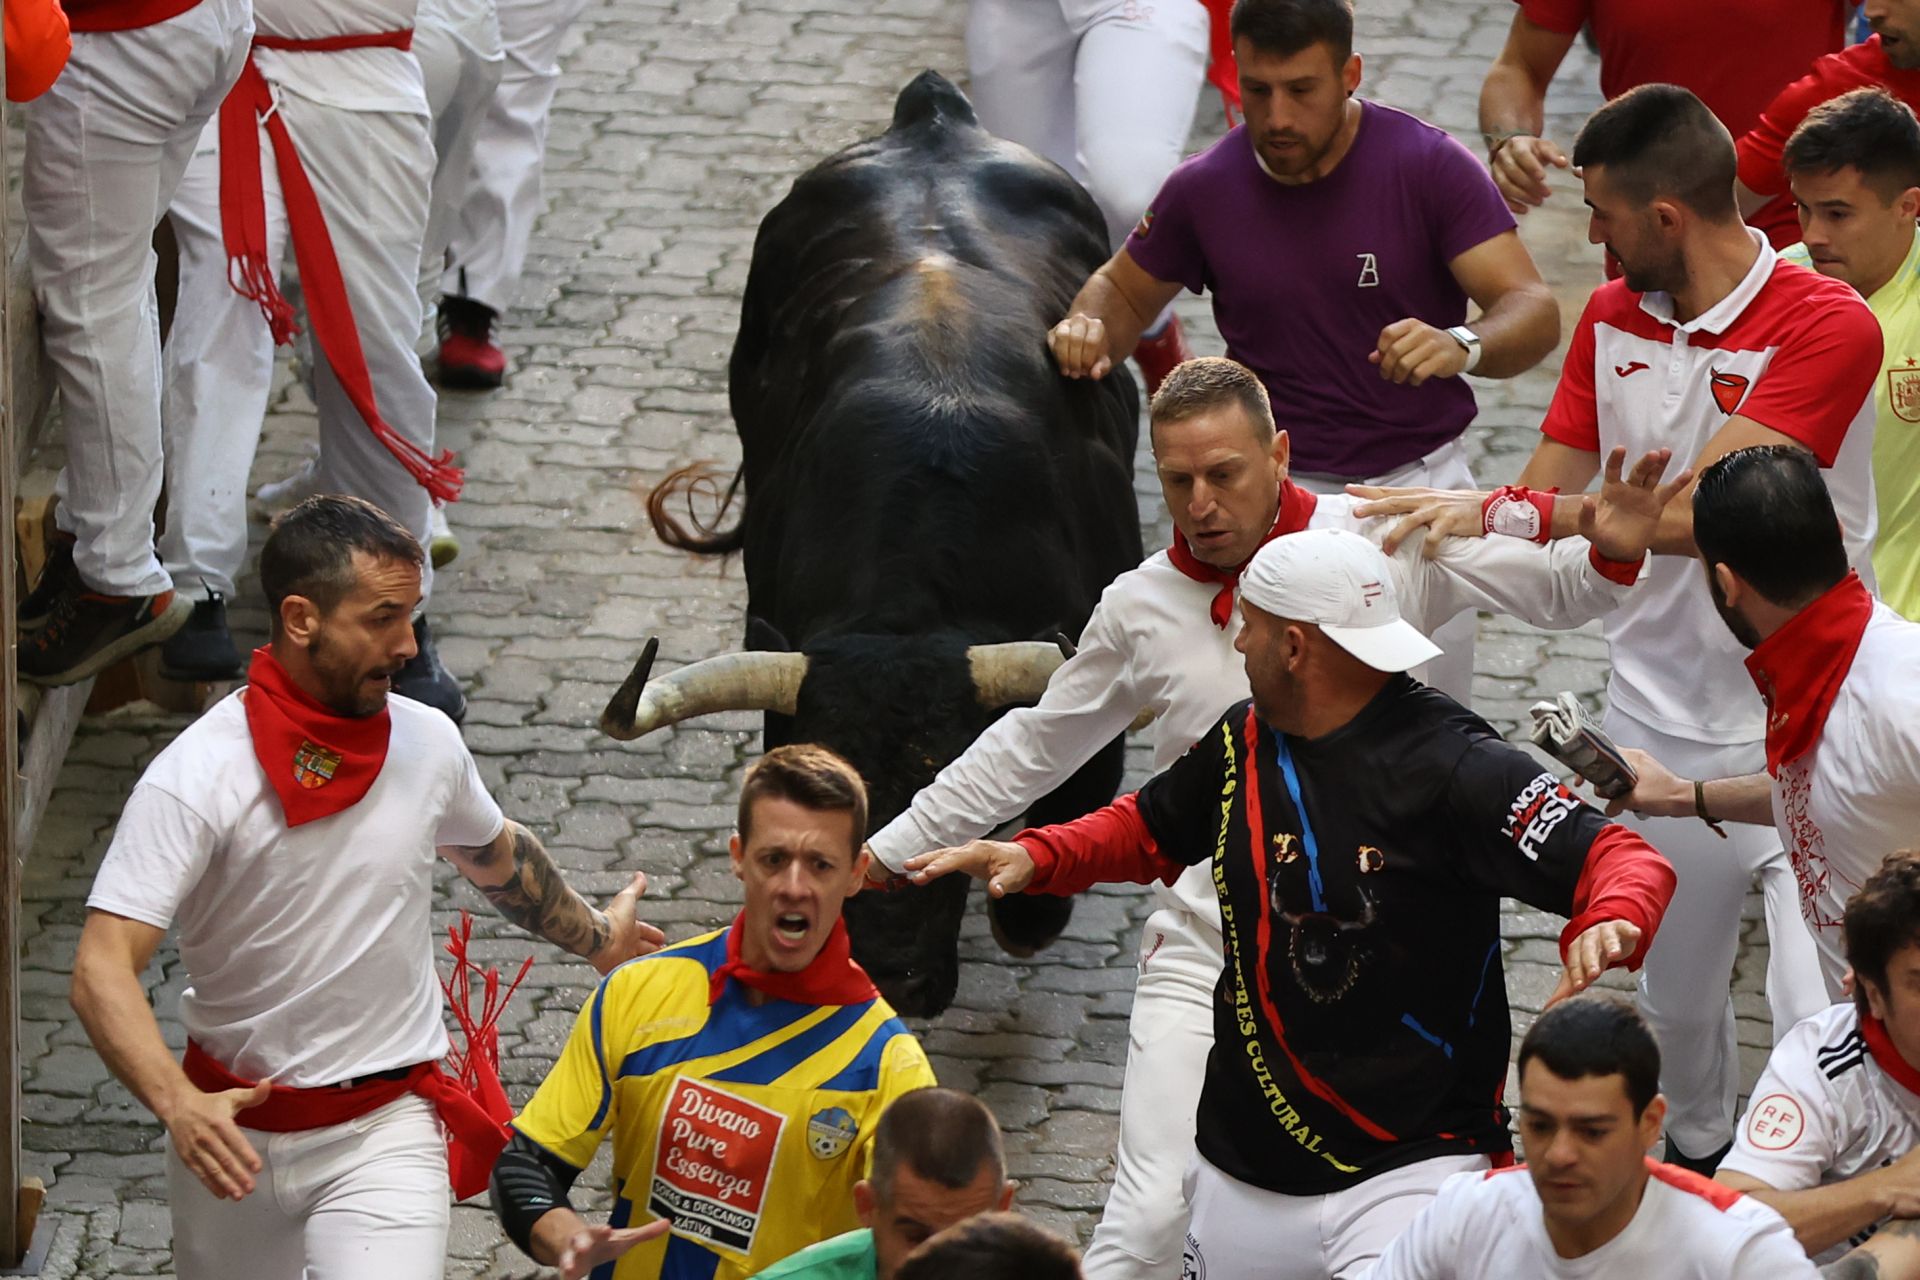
[[573, 1107]]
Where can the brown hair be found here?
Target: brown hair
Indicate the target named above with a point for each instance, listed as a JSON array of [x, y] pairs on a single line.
[[1866, 129], [1197, 386], [1659, 140], [993, 1246], [1881, 918], [812, 777], [309, 550]]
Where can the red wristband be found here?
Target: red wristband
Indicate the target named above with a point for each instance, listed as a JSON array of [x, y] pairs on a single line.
[[1519, 512]]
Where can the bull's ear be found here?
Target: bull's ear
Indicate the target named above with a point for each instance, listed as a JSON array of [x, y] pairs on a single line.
[[764, 636]]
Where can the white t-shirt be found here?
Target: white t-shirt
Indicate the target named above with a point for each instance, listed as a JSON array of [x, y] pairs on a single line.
[[1775, 351], [1855, 797], [1489, 1226], [309, 951], [1824, 1111], [1151, 644], [352, 79]]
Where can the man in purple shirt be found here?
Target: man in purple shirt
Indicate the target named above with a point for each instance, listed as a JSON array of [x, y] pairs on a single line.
[[1341, 240]]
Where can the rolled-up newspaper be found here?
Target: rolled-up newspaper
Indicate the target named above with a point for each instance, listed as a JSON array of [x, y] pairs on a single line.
[[1563, 729]]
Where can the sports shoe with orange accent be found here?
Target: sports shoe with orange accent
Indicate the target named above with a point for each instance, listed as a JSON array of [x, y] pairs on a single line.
[[86, 632], [1157, 355], [470, 359]]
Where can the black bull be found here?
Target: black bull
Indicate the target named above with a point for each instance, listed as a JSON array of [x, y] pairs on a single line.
[[921, 486]]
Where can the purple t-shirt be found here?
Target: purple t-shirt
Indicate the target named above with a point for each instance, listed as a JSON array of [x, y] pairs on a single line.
[[1305, 277]]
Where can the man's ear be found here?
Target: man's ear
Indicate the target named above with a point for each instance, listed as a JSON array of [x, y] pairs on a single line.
[[1908, 202], [737, 853], [861, 861], [1669, 216], [865, 1203], [1282, 452], [1733, 587], [1652, 1119], [299, 619], [1006, 1195], [1350, 74]]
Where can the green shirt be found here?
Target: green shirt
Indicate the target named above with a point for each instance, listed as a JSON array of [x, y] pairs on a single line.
[[845, 1257]]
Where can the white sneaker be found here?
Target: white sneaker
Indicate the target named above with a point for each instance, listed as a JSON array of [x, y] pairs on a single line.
[[283, 495], [443, 548]]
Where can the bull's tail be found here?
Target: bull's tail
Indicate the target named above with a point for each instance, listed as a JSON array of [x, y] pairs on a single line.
[[705, 537]]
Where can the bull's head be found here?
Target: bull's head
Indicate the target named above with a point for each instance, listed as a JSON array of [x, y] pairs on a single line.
[[899, 709]]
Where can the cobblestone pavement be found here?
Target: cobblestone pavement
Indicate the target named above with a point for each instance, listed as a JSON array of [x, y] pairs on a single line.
[[678, 125]]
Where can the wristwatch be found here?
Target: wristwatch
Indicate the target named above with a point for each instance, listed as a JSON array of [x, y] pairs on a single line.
[[1471, 341]]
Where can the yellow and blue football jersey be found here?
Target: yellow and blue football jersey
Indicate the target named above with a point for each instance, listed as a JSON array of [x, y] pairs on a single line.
[[745, 1125]]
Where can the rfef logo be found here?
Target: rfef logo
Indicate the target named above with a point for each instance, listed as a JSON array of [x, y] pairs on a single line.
[[712, 1163], [1776, 1122]]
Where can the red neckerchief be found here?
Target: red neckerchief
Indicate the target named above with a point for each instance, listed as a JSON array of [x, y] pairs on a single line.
[[832, 978], [1881, 1047], [318, 762], [1296, 508], [1799, 668]]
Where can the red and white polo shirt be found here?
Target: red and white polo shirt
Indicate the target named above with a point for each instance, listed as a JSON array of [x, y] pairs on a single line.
[[1788, 348], [1829, 1107]]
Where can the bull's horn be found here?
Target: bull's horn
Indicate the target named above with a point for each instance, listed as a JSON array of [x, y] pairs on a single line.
[[1018, 671], [755, 681]]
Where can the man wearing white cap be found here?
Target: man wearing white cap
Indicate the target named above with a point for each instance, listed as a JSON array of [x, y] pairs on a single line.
[[1361, 829]]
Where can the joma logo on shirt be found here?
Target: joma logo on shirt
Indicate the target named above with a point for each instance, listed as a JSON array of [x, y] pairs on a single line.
[[1536, 811]]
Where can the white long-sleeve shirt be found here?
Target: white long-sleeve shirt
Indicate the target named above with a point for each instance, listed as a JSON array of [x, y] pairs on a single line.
[[1151, 645]]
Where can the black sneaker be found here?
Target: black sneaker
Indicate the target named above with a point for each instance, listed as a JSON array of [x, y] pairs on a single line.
[[86, 632], [56, 575], [426, 679], [203, 648]]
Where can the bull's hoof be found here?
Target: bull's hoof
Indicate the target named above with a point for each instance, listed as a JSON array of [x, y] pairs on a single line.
[[1026, 925]]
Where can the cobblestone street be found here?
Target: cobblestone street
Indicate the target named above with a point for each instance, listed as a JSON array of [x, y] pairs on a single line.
[[677, 126]]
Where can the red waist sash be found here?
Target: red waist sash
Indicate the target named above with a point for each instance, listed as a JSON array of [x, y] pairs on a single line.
[[243, 227], [474, 1138]]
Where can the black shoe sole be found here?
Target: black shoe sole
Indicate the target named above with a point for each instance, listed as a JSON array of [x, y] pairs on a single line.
[[156, 631], [468, 380]]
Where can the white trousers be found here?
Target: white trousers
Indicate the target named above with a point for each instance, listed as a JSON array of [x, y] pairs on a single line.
[[457, 43], [105, 148], [370, 170], [1169, 1034], [352, 1201], [1686, 982], [1445, 468], [1240, 1230], [1106, 89], [489, 248]]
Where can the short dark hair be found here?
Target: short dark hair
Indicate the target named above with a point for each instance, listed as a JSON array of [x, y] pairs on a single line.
[[1660, 140], [1595, 1035], [1865, 129], [993, 1246], [813, 778], [943, 1135], [1882, 917], [1765, 513], [1286, 27], [1197, 386], [309, 550]]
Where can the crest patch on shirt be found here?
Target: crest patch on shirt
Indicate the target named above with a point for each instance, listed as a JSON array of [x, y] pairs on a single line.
[[830, 1132], [1776, 1122], [712, 1163], [1729, 389], [1903, 394], [314, 765], [1146, 224]]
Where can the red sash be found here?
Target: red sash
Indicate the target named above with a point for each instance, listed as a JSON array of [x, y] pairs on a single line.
[[319, 763], [1800, 668], [243, 226], [832, 978], [1296, 508]]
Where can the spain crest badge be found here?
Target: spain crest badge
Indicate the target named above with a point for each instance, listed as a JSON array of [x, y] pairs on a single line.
[[1903, 393], [314, 765]]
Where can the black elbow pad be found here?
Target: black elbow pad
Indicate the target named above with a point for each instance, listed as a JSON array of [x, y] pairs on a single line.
[[528, 1183]]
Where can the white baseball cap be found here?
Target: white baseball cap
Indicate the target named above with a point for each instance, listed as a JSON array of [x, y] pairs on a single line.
[[1341, 583]]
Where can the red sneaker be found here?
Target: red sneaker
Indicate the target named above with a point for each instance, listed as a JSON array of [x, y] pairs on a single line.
[[470, 360], [1156, 356]]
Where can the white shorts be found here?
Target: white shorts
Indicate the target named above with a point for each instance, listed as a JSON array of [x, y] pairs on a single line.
[[1240, 1230]]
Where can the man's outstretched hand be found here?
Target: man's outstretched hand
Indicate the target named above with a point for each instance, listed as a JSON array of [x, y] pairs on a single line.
[[1621, 519], [1005, 866], [1595, 951], [600, 1244]]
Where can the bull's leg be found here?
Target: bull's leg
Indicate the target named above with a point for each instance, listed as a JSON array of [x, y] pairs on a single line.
[[1025, 923]]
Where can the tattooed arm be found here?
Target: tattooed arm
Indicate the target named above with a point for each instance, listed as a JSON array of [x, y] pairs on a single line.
[[1892, 1254], [519, 878]]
